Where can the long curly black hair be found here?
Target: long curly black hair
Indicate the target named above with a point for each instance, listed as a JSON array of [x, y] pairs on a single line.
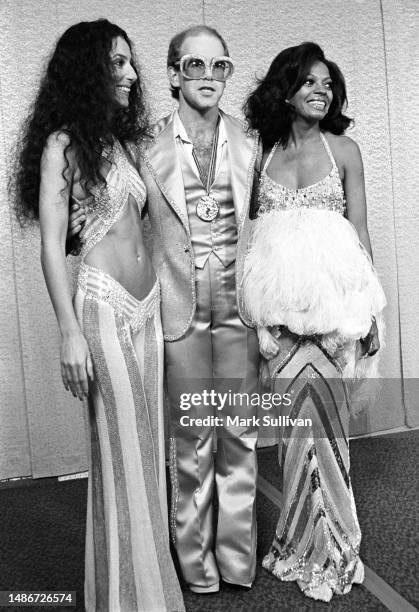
[[266, 109], [76, 97]]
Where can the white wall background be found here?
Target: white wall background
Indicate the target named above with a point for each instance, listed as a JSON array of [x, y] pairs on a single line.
[[374, 43]]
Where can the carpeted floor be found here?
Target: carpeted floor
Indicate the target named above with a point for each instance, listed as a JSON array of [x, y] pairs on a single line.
[[42, 534], [386, 488]]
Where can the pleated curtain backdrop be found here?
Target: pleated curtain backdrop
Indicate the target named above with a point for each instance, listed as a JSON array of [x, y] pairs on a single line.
[[374, 43]]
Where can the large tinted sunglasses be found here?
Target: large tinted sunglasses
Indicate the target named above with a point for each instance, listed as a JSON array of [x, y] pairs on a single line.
[[194, 66]]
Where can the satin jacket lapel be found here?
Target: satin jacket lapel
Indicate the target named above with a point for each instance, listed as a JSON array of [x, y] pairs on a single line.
[[161, 158], [242, 150]]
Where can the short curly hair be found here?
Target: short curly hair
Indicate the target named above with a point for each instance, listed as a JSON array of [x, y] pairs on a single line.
[[75, 97], [173, 54], [266, 109]]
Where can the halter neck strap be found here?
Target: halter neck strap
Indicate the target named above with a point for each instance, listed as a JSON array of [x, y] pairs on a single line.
[[325, 144], [328, 149], [269, 158]]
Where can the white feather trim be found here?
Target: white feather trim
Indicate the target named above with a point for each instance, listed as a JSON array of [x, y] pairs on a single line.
[[306, 269]]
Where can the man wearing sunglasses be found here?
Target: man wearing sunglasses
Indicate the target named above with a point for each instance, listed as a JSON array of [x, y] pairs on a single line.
[[198, 170]]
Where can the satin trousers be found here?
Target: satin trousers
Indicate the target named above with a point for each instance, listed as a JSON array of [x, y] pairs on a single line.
[[217, 353]]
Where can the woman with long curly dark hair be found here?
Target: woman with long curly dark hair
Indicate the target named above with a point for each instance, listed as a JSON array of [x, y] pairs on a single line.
[[78, 146], [311, 289]]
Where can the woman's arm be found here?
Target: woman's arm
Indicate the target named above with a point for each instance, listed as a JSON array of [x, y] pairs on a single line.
[[354, 186], [356, 206], [53, 215]]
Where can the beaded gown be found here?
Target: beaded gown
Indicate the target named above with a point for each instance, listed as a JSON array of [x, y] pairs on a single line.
[[128, 567], [311, 282]]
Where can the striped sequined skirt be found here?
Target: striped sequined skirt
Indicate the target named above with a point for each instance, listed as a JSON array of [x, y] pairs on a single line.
[[317, 537]]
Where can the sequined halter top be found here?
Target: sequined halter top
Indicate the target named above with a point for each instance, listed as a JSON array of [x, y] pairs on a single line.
[[108, 201], [326, 194]]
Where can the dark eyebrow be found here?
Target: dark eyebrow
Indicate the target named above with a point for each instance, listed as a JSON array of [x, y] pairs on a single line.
[[310, 74], [121, 55]]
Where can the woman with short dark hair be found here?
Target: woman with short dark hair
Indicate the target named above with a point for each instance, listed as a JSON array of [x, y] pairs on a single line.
[[311, 289]]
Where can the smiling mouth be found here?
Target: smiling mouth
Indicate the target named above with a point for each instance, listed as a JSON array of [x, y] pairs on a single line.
[[123, 88], [317, 104]]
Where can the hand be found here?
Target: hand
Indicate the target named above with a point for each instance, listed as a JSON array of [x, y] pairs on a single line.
[[268, 346], [371, 343], [76, 364], [76, 220]]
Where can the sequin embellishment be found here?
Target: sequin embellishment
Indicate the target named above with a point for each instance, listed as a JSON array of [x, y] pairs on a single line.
[[99, 286], [326, 194], [109, 200]]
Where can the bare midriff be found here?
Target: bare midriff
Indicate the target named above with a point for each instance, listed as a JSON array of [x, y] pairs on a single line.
[[122, 254]]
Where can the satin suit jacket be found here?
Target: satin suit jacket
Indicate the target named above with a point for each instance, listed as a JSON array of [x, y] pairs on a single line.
[[170, 240]]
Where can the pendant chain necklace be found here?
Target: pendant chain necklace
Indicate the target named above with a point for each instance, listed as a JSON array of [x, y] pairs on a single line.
[[208, 208]]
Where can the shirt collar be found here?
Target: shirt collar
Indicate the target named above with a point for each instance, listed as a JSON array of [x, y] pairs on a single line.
[[179, 130]]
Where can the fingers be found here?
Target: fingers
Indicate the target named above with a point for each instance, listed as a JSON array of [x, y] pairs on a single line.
[[370, 345], [83, 382], [75, 380], [89, 367], [364, 349], [64, 377], [77, 223], [374, 347], [76, 364], [365, 344], [268, 354], [79, 386], [76, 387], [68, 379], [77, 209], [269, 347], [73, 231], [77, 219]]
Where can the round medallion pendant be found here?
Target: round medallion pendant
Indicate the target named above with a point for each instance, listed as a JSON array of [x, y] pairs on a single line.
[[207, 208]]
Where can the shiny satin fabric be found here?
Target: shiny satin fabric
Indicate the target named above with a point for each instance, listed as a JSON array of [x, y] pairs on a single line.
[[220, 235], [171, 248], [217, 350]]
